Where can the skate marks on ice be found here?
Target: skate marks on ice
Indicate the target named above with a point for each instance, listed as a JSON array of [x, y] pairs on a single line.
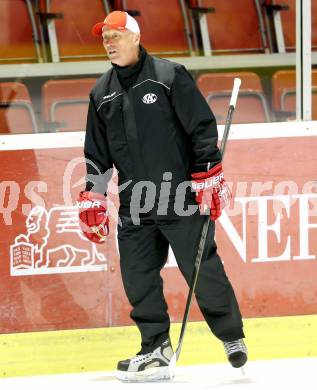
[[270, 374]]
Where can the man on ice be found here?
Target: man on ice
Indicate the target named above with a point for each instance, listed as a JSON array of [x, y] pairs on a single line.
[[148, 119]]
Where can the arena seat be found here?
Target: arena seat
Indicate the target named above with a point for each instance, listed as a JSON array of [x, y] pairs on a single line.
[[65, 103], [16, 39], [289, 103], [282, 80], [284, 93], [73, 30], [162, 26], [251, 106], [16, 111], [288, 19], [233, 27]]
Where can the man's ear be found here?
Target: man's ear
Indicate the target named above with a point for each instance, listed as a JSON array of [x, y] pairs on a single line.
[[136, 39]]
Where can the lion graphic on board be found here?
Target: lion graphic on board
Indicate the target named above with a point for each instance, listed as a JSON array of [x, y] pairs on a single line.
[[55, 240]]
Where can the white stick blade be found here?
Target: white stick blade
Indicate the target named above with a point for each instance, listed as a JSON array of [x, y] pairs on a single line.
[[172, 365]]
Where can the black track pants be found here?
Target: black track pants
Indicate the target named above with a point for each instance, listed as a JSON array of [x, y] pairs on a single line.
[[143, 253]]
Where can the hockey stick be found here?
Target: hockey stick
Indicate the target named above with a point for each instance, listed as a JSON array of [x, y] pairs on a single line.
[[201, 247]]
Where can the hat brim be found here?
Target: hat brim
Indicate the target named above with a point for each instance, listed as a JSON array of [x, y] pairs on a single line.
[[97, 28]]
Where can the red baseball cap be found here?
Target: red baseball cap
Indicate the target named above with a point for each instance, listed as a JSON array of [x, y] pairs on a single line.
[[118, 20]]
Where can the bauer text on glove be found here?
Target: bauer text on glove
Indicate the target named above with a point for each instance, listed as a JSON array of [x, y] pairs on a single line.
[[212, 191]]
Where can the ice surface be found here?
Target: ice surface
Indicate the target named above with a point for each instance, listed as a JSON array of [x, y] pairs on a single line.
[[269, 375]]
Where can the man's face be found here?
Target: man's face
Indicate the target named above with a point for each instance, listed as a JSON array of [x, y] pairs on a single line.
[[121, 46]]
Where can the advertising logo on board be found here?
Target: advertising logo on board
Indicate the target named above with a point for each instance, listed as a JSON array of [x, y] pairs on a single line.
[[53, 243]]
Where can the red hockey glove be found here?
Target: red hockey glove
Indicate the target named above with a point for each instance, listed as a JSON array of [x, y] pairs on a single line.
[[93, 216], [212, 191]]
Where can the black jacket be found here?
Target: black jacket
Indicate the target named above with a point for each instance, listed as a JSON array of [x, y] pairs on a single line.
[[160, 124]]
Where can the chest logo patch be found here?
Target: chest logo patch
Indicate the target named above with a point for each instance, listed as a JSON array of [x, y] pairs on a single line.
[[149, 98]]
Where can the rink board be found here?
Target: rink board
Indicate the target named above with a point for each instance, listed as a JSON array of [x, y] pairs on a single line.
[[54, 279], [84, 350]]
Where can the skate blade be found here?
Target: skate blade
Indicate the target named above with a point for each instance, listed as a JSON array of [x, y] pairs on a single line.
[[149, 375], [243, 369]]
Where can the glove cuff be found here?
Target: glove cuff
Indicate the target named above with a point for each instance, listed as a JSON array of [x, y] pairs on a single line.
[[212, 172], [89, 195]]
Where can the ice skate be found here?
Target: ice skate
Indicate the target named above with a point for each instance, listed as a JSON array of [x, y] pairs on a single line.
[[236, 352], [147, 367]]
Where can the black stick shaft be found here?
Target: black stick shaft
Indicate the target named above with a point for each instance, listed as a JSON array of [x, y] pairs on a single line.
[[202, 242]]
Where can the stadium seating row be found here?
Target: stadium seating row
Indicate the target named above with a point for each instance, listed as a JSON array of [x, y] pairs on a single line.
[[253, 104], [59, 30], [65, 102]]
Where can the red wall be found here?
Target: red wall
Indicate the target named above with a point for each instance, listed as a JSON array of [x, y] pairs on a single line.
[[53, 294]]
